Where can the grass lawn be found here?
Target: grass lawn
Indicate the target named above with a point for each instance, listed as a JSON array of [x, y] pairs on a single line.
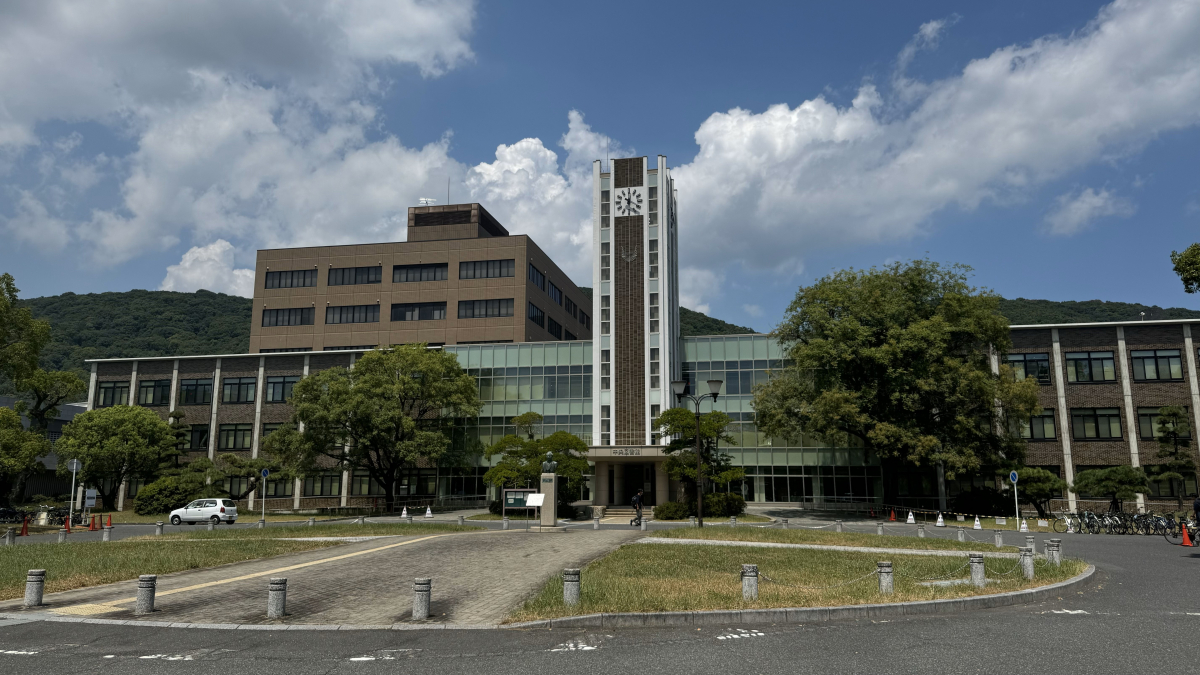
[[75, 565], [332, 530], [830, 538], [496, 516], [744, 518], [663, 578], [244, 516]]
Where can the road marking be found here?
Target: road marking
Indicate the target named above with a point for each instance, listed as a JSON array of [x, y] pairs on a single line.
[[1068, 611], [742, 633], [576, 645], [168, 657], [16, 652]]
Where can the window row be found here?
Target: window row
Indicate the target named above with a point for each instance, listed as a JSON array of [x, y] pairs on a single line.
[[347, 276], [195, 391], [301, 316], [1147, 364], [1099, 424]]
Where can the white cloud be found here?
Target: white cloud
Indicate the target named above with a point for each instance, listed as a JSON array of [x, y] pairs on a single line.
[[211, 268], [753, 310], [1073, 212], [695, 285], [816, 175], [34, 225]]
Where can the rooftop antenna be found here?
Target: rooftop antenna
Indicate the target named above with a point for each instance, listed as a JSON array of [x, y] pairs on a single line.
[[427, 201]]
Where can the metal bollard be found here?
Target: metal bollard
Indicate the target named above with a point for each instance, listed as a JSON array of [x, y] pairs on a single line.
[[749, 582], [879, 528], [106, 534], [10, 536], [1029, 543], [962, 534], [837, 526], [276, 598], [62, 535], [147, 584], [596, 523], [999, 537], [921, 530], [570, 579], [784, 522], [312, 522], [422, 589], [1026, 556], [35, 583], [978, 576], [462, 520], [504, 523], [884, 570], [158, 528], [1054, 552], [732, 521]]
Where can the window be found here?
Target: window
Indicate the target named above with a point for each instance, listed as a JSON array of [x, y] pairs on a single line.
[[1157, 364], [154, 392], [348, 348], [653, 208], [1096, 423], [302, 316], [554, 327], [604, 314], [605, 370], [268, 428], [484, 309], [655, 377], [346, 276], [1091, 367], [487, 269], [554, 293], [1040, 427], [568, 335], [235, 436], [197, 438], [585, 320], [536, 315], [195, 392], [407, 274], [237, 390], [112, 393], [605, 203], [571, 308], [419, 311], [329, 485], [537, 278], [352, 314], [278, 488], [653, 258], [605, 261], [1148, 423], [292, 279], [1036, 366], [277, 350], [279, 388], [654, 320]]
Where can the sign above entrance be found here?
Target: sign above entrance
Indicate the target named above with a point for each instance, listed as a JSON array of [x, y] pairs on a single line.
[[644, 451]]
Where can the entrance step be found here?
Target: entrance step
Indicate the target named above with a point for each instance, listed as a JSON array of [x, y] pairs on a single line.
[[619, 512]]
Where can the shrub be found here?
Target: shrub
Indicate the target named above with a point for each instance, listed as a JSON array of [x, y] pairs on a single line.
[[725, 504], [495, 506], [165, 495], [671, 511]]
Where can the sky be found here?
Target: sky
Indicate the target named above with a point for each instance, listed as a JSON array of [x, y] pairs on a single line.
[[1052, 147]]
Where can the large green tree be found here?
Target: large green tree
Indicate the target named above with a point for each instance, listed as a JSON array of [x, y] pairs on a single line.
[[114, 445], [522, 454], [21, 336], [1116, 484], [394, 410], [1038, 486], [1187, 266], [900, 359], [20, 449], [1174, 449], [679, 424]]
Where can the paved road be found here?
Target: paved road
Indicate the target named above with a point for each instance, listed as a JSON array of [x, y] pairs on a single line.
[[1139, 614]]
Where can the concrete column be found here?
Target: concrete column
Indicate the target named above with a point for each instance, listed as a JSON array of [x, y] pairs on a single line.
[[276, 598], [978, 576], [1026, 557], [147, 585], [1029, 543], [884, 571], [619, 495], [256, 433], [749, 582], [570, 587], [213, 429], [1131, 432], [662, 486], [35, 584], [1054, 552], [174, 387], [91, 399], [601, 496], [422, 590], [121, 495], [297, 490], [1064, 417]]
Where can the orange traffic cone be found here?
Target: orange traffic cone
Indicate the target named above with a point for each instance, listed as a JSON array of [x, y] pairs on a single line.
[[25, 527], [110, 521], [92, 525], [1187, 541], [893, 516], [68, 525]]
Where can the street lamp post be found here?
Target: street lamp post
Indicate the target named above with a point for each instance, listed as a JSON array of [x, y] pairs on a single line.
[[714, 388]]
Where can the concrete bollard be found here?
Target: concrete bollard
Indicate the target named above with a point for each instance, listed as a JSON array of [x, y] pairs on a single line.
[[732, 521], [422, 589], [35, 584], [999, 537], [1029, 543], [276, 598], [644, 522], [62, 535], [260, 524], [749, 582], [362, 520], [692, 521], [158, 528], [879, 528], [407, 521], [504, 523], [1026, 557], [312, 522], [596, 523], [210, 525], [462, 520], [962, 534], [10, 536], [921, 530], [106, 534], [978, 576], [147, 584], [1054, 552], [884, 570], [837, 526], [570, 587], [784, 522]]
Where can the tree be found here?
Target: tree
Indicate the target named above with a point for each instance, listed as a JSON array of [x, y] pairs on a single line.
[[19, 452], [1174, 433], [521, 459], [393, 410], [1187, 266], [1038, 486], [1116, 483], [679, 424], [42, 391], [21, 336], [900, 359], [114, 445]]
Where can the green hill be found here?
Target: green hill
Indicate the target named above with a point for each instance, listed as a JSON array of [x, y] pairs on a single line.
[[694, 323], [1021, 311]]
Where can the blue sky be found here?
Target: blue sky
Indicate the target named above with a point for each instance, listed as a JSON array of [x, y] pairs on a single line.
[[1054, 147]]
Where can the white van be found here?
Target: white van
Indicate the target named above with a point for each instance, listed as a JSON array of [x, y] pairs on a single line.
[[215, 509]]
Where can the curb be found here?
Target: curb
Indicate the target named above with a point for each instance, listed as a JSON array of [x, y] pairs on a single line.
[[806, 614], [946, 553]]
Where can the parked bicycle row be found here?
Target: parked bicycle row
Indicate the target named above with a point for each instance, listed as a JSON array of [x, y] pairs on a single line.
[[1120, 522]]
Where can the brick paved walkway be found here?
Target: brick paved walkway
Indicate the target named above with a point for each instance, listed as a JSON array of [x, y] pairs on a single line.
[[478, 578]]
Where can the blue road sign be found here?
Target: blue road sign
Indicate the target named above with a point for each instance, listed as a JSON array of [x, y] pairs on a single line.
[[266, 473], [1012, 475]]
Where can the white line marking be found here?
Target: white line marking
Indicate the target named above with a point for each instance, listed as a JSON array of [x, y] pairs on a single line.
[[168, 657], [16, 652], [741, 633], [1068, 611]]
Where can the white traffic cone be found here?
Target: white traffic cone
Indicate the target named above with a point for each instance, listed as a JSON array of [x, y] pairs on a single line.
[[940, 522], [1024, 526], [428, 512], [404, 512], [977, 525], [911, 520]]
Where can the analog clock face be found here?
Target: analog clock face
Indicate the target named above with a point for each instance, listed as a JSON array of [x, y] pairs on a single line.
[[629, 202]]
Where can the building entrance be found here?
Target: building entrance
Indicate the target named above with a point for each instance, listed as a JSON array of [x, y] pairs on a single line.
[[625, 479]]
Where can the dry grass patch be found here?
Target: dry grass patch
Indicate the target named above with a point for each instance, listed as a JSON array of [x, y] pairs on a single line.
[[830, 538]]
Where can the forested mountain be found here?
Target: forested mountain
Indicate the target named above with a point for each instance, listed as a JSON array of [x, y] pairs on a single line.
[[1021, 311]]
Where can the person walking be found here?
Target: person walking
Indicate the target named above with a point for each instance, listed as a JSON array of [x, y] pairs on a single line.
[[637, 505], [1196, 509]]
